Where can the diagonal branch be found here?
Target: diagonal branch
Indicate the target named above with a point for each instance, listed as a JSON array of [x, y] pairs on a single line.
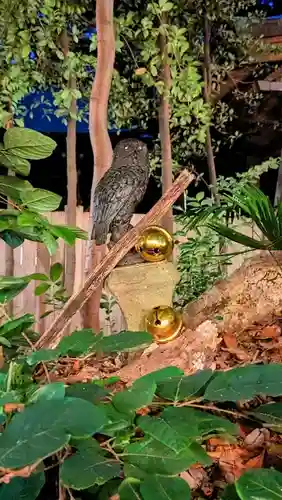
[[53, 335]]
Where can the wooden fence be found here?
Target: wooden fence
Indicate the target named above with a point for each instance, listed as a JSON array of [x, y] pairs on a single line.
[[33, 257]]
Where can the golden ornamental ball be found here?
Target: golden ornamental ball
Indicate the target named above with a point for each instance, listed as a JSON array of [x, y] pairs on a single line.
[[164, 323], [155, 244]]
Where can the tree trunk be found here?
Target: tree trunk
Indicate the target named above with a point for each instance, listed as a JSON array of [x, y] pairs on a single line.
[[207, 94], [70, 261], [164, 128], [100, 140]]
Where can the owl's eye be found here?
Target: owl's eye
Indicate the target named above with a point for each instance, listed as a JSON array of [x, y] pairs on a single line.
[[125, 147]]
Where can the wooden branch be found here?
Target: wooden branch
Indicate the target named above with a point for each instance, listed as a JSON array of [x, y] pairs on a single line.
[[52, 336]]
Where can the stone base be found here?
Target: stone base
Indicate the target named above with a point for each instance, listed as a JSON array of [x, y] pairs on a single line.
[[140, 287]]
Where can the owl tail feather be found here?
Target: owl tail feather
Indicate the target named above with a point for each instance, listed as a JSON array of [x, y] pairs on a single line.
[[100, 233]]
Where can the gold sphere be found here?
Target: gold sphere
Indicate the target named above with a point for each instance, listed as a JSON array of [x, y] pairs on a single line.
[[164, 323], [154, 244]]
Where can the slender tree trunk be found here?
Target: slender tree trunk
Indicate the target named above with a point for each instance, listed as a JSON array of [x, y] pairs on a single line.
[[164, 128], [100, 140], [70, 261], [207, 94]]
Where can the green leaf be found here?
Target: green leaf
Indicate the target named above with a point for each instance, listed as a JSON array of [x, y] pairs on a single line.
[[124, 341], [12, 187], [182, 388], [260, 484], [159, 376], [41, 289], [49, 241], [45, 427], [160, 430], [230, 493], [79, 342], [270, 413], [150, 455], [68, 234], [13, 162], [55, 390], [10, 287], [165, 488], [44, 355], [41, 200], [245, 382], [130, 400], [56, 271], [12, 238], [17, 326], [196, 425], [23, 488], [27, 143], [130, 489], [10, 397], [88, 467], [116, 421], [90, 392], [233, 235]]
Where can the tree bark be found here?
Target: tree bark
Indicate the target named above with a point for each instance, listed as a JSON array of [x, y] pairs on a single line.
[[100, 140], [207, 94], [70, 257], [164, 127], [52, 336]]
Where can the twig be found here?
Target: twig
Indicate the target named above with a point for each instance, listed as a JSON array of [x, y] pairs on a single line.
[[42, 362]]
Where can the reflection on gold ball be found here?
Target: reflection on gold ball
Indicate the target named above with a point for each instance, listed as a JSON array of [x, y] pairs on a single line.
[[163, 323], [154, 244]]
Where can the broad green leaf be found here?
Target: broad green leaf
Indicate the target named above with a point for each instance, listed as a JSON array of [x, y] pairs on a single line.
[[41, 200], [165, 488], [130, 400], [150, 455], [45, 427], [230, 493], [124, 341], [159, 376], [54, 391], [5, 342], [116, 421], [181, 388], [9, 292], [10, 397], [56, 271], [27, 143], [13, 162], [12, 187], [42, 355], [270, 413], [196, 425], [89, 392], [41, 289], [18, 325], [245, 382], [23, 488], [260, 484], [130, 489], [160, 430], [12, 238], [49, 241], [79, 342], [68, 234], [130, 470], [88, 467]]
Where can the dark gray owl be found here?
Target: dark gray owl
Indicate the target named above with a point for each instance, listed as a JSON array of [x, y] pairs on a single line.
[[120, 190]]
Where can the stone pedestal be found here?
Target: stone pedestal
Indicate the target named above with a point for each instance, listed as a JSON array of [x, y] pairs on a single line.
[[140, 287]]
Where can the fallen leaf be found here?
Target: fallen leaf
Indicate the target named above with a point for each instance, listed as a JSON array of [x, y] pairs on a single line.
[[269, 332], [230, 340], [255, 462], [10, 407]]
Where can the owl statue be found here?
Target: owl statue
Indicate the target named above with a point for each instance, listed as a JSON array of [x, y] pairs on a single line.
[[120, 190]]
